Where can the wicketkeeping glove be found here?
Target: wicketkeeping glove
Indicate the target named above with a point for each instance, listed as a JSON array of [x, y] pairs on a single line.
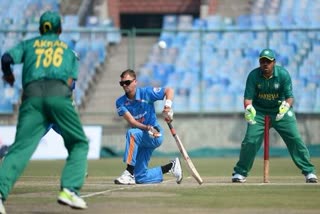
[[153, 132], [250, 114], [283, 109], [167, 113]]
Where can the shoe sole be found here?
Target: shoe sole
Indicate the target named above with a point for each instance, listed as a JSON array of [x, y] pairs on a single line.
[[65, 203], [119, 183], [179, 180], [312, 181], [236, 180]]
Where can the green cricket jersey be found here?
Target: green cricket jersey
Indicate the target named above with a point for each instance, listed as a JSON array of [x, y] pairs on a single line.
[[45, 57], [266, 93]]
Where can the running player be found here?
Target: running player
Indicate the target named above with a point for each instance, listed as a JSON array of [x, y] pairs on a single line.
[[49, 67]]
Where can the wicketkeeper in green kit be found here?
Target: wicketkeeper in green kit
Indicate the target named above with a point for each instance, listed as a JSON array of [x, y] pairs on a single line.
[[49, 69], [269, 92]]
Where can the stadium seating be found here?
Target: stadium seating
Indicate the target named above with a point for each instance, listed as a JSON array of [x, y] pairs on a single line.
[[21, 19], [203, 67], [214, 74]]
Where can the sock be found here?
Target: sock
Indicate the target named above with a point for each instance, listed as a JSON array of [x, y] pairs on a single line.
[[130, 169], [166, 168]]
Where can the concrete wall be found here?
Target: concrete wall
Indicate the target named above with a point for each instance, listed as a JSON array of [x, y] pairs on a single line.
[[116, 7]]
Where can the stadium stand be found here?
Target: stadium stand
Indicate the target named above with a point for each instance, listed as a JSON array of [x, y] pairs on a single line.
[[90, 43], [210, 77], [209, 67]]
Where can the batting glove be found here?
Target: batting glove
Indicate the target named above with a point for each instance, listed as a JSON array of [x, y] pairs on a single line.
[[167, 113], [153, 132], [283, 109], [250, 114]]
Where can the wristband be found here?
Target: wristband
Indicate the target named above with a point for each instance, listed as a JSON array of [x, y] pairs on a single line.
[[248, 106], [287, 104], [168, 103]]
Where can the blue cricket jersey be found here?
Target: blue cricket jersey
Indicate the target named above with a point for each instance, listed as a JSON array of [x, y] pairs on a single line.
[[142, 106]]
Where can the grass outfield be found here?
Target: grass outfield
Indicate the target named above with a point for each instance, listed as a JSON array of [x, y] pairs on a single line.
[[287, 192]]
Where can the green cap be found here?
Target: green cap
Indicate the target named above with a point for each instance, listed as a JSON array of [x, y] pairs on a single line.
[[267, 53], [50, 22]]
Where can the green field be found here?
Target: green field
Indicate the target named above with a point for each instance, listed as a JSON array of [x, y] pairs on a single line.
[[287, 192]]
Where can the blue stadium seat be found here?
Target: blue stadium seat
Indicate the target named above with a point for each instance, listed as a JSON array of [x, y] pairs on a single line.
[[244, 21], [99, 48], [214, 22], [19, 15], [228, 56], [194, 99], [6, 106], [316, 107], [181, 99]]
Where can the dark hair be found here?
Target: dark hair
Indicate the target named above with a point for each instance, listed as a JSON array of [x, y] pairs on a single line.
[[129, 72]]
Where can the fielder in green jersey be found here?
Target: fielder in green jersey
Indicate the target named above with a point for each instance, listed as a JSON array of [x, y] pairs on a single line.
[[49, 68], [269, 92]]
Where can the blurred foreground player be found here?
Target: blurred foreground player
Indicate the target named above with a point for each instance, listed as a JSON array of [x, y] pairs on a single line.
[[49, 67]]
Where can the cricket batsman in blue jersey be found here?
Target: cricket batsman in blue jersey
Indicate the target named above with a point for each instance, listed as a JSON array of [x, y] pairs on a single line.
[[145, 134]]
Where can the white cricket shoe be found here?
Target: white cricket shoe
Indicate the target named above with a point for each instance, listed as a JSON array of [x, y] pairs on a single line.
[[237, 178], [125, 178], [311, 178], [67, 197], [2, 209], [176, 170]]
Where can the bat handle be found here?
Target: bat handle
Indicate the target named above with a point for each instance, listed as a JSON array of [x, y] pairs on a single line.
[[172, 130]]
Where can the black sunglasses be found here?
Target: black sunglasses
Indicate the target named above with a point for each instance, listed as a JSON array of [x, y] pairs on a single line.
[[126, 82]]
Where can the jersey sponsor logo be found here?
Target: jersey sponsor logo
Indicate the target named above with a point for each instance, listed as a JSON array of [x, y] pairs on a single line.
[[140, 117], [118, 109], [276, 85], [268, 96], [156, 90], [290, 113]]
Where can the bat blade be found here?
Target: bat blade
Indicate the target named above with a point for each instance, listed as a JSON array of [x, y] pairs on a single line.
[[190, 166]]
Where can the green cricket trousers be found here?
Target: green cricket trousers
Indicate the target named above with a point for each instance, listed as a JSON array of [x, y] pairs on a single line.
[[288, 130], [35, 115]]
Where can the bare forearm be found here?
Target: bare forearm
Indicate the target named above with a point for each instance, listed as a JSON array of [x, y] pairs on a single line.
[[169, 93], [247, 102], [290, 101], [139, 125]]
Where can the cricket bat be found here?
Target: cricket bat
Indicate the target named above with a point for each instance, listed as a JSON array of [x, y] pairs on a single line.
[[191, 168]]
